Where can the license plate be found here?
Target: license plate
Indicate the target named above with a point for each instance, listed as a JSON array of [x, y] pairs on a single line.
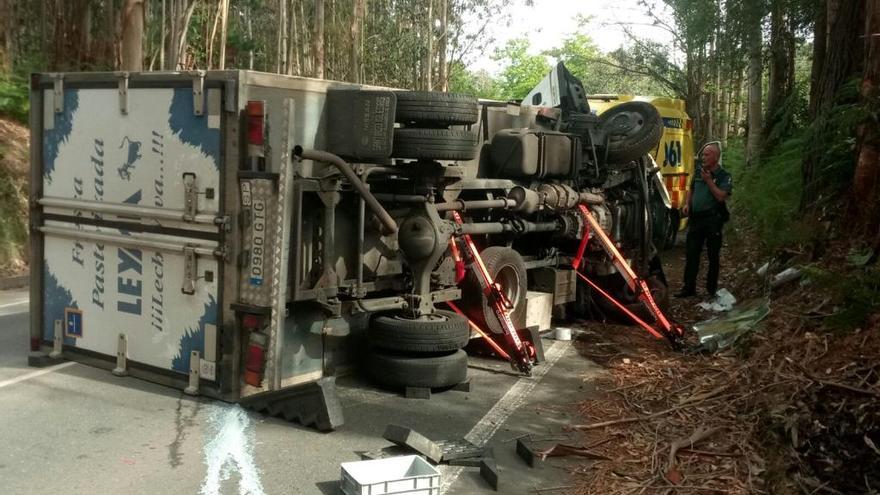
[[258, 241]]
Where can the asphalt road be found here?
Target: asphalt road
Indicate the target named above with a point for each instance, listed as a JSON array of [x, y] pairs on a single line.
[[75, 429]]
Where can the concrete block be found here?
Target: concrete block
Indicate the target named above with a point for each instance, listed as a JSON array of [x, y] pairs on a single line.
[[402, 435], [539, 310]]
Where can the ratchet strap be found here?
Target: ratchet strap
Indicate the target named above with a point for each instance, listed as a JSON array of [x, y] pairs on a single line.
[[520, 354]]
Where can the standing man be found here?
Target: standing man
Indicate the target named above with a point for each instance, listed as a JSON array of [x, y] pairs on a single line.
[[707, 210]]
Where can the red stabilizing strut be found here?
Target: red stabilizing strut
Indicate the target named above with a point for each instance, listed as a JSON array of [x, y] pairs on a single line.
[[499, 303], [640, 322], [488, 338], [635, 283]]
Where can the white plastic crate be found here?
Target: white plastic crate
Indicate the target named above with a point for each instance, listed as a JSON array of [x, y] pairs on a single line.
[[410, 475]]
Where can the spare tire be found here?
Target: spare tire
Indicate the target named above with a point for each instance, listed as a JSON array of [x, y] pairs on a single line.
[[507, 268], [434, 144], [634, 128], [397, 370], [441, 331], [430, 108]]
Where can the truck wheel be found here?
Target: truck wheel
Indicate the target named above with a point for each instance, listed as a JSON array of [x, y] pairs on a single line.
[[507, 268], [429, 108], [396, 370], [634, 128], [441, 331], [434, 144]]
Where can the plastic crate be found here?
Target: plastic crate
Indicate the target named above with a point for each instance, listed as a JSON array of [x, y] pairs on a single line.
[[410, 475]]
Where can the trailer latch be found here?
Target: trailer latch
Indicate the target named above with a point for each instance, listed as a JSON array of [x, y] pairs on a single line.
[[189, 271], [190, 197]]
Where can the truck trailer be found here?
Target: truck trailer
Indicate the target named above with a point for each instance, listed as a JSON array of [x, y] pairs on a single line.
[[250, 236]]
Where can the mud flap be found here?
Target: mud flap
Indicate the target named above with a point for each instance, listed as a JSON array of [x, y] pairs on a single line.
[[312, 404]]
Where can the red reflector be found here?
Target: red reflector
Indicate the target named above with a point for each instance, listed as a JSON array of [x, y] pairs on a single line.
[[251, 322], [256, 113], [35, 344], [689, 125]]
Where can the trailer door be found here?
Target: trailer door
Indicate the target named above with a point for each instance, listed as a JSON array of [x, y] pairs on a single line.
[[133, 230]]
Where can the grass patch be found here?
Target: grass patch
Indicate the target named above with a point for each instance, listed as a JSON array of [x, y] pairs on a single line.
[[14, 99], [766, 197]]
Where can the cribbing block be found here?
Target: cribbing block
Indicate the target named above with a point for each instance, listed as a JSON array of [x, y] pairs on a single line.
[[417, 393], [408, 437], [489, 472]]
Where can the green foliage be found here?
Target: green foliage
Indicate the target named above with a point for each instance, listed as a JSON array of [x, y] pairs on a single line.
[[13, 225], [831, 139], [521, 71], [480, 83], [855, 293], [14, 101], [766, 198], [601, 73]]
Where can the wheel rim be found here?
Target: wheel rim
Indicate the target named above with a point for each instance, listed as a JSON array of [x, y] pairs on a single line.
[[626, 124], [508, 278]]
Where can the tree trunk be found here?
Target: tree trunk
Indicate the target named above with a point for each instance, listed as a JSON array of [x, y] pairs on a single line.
[[184, 31], [224, 22], [429, 48], [443, 68], [133, 35], [738, 106], [841, 54], [209, 49], [866, 180], [250, 32], [319, 39], [781, 72], [357, 21], [753, 143]]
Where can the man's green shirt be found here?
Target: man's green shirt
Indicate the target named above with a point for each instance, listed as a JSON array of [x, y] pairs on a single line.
[[702, 199]]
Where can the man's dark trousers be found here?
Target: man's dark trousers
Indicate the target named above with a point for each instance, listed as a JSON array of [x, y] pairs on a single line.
[[703, 228]]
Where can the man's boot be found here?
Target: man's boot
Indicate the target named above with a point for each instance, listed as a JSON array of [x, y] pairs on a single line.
[[685, 292]]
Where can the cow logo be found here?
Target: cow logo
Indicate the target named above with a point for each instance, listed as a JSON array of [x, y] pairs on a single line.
[[133, 155]]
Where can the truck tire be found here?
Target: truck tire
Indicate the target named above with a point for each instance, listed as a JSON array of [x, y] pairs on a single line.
[[429, 108], [434, 144], [634, 128], [442, 331], [398, 370], [506, 267]]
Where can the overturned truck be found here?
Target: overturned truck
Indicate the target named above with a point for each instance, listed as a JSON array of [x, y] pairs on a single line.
[[249, 236]]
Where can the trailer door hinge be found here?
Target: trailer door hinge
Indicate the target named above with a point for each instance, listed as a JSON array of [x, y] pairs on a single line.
[[58, 92], [189, 271], [123, 93], [199, 93]]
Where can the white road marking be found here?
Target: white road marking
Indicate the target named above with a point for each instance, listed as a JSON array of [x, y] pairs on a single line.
[[507, 405], [34, 374], [16, 303], [230, 449]]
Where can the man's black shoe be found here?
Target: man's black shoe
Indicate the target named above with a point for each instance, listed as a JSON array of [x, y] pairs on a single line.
[[684, 293]]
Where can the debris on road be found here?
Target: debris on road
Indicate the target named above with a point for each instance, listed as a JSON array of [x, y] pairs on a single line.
[[723, 301], [722, 332], [394, 475], [785, 276], [408, 437]]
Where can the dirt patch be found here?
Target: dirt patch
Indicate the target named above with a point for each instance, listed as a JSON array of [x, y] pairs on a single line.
[[795, 408], [14, 166]]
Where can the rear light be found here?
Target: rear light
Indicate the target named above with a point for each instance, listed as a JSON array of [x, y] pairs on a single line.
[[256, 125], [251, 322], [35, 344], [255, 362], [689, 125], [256, 135]]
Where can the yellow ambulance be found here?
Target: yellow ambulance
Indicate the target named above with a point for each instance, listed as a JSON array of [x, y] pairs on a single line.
[[675, 152]]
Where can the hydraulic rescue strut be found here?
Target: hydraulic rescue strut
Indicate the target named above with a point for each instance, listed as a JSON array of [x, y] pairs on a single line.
[[519, 353], [672, 331]]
